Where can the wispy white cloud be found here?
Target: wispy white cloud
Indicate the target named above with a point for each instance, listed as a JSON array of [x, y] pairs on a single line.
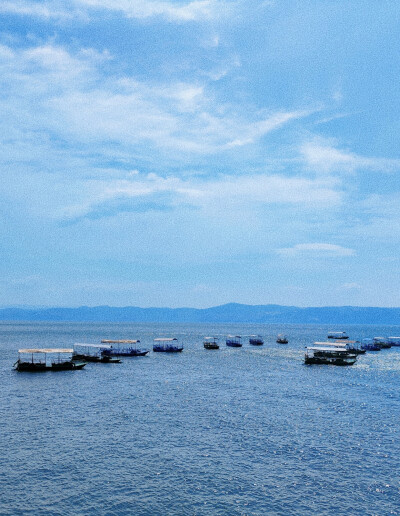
[[66, 93], [45, 10], [321, 155], [189, 11], [209, 195], [196, 10], [351, 286], [317, 249]]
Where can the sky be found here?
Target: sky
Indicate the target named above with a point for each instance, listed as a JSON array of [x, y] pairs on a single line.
[[196, 153]]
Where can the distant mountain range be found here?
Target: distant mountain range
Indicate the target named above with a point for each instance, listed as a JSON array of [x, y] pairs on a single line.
[[229, 313]]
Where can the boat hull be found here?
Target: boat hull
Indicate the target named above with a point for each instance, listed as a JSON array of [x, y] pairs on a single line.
[[158, 349], [30, 367], [208, 345], [130, 353], [328, 361]]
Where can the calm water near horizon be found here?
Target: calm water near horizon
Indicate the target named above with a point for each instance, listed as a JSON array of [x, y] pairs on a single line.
[[249, 431]]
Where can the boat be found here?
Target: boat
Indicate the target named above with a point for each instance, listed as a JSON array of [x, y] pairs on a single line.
[[337, 335], [351, 345], [382, 342], [125, 348], [46, 359], [329, 355], [256, 340], [369, 345], [234, 341], [167, 345], [394, 341], [94, 353], [210, 343], [282, 339]]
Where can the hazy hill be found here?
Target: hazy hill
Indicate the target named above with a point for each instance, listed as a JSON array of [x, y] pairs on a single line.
[[229, 313]]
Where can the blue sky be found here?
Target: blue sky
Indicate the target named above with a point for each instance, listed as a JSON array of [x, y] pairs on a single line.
[[194, 153]]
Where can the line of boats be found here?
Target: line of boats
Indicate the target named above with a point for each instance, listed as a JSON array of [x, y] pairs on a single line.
[[338, 350], [343, 352]]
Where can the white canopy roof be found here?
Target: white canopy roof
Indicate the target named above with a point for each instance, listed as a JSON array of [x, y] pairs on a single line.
[[315, 348], [46, 350], [97, 346], [120, 341], [336, 344]]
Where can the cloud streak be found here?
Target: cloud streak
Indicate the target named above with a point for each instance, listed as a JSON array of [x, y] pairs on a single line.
[[64, 93], [197, 10], [322, 156], [316, 250]]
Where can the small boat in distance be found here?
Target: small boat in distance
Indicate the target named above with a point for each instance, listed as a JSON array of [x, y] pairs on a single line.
[[337, 335], [94, 353], [394, 341], [369, 345], [351, 346], [328, 355], [256, 340], [167, 345], [210, 343], [47, 359], [234, 341], [382, 342], [282, 339], [125, 348]]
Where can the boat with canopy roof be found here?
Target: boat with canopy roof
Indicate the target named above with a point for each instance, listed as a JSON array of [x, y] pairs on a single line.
[[256, 340], [46, 359], [94, 353], [124, 348], [234, 341], [329, 355], [210, 343], [167, 345]]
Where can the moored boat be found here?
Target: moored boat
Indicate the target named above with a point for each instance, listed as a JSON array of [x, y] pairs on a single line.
[[329, 355], [352, 346], [124, 348], [210, 343], [382, 342], [167, 345], [369, 345], [234, 341], [337, 335], [394, 341], [46, 359], [256, 340], [94, 353], [282, 339]]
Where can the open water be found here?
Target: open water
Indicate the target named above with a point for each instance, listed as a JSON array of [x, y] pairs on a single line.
[[249, 431]]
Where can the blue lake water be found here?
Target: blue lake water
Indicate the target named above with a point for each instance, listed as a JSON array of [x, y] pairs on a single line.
[[248, 431]]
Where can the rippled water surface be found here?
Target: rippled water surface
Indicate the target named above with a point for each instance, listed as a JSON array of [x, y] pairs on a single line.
[[249, 431]]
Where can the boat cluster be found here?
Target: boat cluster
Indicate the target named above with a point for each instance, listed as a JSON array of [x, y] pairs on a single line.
[[108, 351], [338, 350], [343, 352]]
